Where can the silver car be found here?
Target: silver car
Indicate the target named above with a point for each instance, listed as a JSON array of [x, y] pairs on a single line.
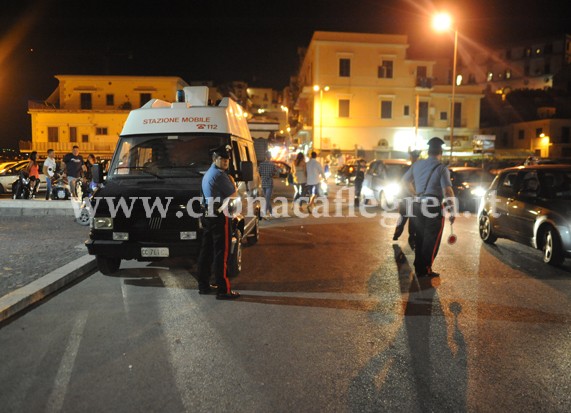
[[530, 205], [382, 183]]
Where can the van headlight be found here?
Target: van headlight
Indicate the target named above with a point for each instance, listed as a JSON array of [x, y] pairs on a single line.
[[102, 223]]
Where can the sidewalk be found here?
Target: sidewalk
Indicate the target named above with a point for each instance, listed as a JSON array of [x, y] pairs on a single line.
[[35, 242]]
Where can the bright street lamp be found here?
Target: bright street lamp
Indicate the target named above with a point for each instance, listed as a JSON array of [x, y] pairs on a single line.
[[319, 89], [443, 22]]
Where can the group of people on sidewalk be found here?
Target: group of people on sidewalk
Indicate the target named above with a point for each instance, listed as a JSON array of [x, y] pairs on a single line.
[[72, 165]]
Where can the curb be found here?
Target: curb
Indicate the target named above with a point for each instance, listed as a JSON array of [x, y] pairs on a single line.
[[37, 207], [20, 299]]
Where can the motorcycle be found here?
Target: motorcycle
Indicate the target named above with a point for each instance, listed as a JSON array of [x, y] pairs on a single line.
[[85, 210], [60, 188], [24, 187]]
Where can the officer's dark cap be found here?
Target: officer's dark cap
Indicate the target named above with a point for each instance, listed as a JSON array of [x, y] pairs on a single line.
[[435, 142], [222, 151]]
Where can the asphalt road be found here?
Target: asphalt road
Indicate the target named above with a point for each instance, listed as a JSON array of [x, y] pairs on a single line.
[[330, 319]]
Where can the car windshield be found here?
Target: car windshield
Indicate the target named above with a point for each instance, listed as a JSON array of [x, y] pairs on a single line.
[[163, 156], [555, 184], [473, 176], [396, 172]]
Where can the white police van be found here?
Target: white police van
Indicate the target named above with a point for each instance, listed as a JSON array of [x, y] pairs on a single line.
[[149, 205]]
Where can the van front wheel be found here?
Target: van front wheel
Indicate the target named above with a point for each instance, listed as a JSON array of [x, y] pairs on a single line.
[[107, 265]]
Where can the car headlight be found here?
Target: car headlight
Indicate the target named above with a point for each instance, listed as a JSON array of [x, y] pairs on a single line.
[[393, 189], [102, 223], [478, 191]]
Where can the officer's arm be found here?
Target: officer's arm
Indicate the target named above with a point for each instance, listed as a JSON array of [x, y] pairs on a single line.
[[449, 194], [407, 180]]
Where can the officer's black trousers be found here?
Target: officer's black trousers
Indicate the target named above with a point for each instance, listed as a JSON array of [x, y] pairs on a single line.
[[429, 224], [402, 220], [214, 251]]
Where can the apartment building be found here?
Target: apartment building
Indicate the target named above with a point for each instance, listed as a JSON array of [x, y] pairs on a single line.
[[361, 92], [525, 64], [89, 111]]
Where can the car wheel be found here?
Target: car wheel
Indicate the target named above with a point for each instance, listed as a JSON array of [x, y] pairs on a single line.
[[84, 217], [235, 258], [552, 248], [254, 236], [107, 265], [486, 232]]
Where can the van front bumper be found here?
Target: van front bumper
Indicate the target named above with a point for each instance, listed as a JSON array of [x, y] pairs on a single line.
[[130, 250]]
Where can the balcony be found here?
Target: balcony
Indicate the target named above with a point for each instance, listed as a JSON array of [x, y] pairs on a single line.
[[424, 82], [64, 147]]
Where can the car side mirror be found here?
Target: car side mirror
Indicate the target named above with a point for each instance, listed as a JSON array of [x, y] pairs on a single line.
[[246, 171], [97, 173]]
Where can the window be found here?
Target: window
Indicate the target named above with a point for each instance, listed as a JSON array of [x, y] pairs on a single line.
[[53, 134], [443, 115], [538, 132], [385, 71], [344, 108], [144, 98], [527, 52], [406, 110], [101, 131], [110, 100], [85, 101], [508, 74], [84, 138], [520, 134], [422, 113], [565, 135], [72, 134], [457, 114], [490, 76], [344, 67], [386, 109], [547, 67], [506, 187]]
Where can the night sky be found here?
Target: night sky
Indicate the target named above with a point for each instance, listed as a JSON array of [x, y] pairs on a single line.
[[254, 41]]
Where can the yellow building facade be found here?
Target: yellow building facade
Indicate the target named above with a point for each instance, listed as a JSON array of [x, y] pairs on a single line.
[[89, 111], [360, 91]]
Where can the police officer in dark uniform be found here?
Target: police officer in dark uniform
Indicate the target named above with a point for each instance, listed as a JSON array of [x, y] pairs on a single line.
[[429, 182], [217, 187], [404, 212]]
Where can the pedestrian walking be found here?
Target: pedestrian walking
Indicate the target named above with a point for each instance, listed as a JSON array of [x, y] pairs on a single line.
[[404, 210], [315, 174], [267, 171], [48, 169], [359, 179], [73, 162], [300, 176], [217, 188], [429, 181]]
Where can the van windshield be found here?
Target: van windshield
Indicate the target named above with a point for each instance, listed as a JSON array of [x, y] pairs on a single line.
[[164, 156]]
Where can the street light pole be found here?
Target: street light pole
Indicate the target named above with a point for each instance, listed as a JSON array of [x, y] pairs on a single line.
[[321, 90], [453, 93], [443, 22]]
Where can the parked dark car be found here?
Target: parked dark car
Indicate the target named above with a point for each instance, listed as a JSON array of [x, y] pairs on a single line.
[[382, 183], [469, 185], [346, 174], [530, 205]]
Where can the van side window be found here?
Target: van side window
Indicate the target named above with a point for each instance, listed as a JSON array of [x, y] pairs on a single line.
[[236, 158], [247, 153]]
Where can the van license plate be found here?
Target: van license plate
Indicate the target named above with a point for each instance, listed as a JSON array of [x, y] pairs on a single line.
[[154, 252]]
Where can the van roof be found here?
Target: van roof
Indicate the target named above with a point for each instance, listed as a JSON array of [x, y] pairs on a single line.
[[192, 115]]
